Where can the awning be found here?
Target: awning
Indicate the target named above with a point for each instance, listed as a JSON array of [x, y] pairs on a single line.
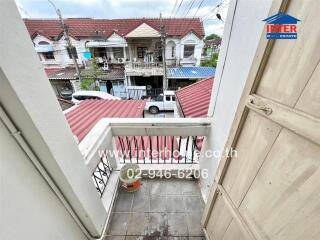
[[105, 44], [190, 72], [44, 48]]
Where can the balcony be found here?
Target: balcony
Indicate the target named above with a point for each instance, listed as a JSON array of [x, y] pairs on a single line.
[[169, 203], [161, 209], [144, 69], [190, 61]]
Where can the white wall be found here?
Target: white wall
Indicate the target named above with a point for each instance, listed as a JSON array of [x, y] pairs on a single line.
[[243, 29], [28, 207], [27, 97]]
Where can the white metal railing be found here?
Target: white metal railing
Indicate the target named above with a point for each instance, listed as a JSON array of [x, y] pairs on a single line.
[[179, 138]]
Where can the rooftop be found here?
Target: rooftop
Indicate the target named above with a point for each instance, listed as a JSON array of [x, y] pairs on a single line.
[[85, 116], [190, 72], [194, 99], [88, 27]]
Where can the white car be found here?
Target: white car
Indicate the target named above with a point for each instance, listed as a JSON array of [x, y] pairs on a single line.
[[79, 96], [163, 102]]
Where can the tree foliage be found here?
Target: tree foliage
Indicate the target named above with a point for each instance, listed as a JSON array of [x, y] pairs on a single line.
[[212, 36], [211, 62]]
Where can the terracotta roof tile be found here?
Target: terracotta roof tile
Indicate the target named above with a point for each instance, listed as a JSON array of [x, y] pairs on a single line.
[[194, 99], [87, 27]]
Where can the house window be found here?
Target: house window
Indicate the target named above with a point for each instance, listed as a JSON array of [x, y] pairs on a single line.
[[188, 51], [172, 52], [117, 52], [141, 51], [72, 50], [48, 55]]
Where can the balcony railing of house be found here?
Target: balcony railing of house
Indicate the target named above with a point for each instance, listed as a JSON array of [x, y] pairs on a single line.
[[145, 93], [154, 144], [190, 61], [141, 68]]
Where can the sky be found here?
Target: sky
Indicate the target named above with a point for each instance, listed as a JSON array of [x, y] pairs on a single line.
[[129, 9]]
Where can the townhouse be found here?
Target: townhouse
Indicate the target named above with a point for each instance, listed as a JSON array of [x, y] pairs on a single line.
[[129, 51]]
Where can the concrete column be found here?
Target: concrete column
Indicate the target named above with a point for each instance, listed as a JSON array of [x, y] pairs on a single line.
[[33, 107]]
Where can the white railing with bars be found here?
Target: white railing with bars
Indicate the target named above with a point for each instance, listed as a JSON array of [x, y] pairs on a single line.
[[172, 143]]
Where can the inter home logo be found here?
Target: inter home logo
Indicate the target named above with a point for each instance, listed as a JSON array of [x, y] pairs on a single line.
[[281, 26]]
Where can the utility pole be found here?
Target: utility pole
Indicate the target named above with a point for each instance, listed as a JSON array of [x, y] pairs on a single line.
[[163, 46], [67, 38]]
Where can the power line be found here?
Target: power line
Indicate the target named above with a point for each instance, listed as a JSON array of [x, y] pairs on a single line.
[[193, 18], [190, 6], [67, 38], [174, 7], [177, 10]]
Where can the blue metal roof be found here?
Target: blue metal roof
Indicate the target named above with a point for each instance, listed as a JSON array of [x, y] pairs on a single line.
[[190, 72]]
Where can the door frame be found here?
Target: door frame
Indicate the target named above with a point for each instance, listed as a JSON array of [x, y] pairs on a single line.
[[261, 57]]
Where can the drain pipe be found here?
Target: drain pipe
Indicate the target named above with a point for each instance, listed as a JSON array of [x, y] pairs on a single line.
[[17, 135]]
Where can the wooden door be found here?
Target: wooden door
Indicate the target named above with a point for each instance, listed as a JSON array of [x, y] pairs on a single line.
[[271, 190]]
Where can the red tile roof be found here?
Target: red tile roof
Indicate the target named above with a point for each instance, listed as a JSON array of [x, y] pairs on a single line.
[[87, 27], [194, 99], [52, 71], [83, 118]]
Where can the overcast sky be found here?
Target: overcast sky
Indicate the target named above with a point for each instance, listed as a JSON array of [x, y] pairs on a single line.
[[128, 9]]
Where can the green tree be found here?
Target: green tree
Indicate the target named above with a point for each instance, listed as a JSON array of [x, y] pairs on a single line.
[[90, 75], [212, 36], [211, 62]]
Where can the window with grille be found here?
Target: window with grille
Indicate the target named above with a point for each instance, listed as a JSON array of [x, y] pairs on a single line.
[[188, 51], [117, 52]]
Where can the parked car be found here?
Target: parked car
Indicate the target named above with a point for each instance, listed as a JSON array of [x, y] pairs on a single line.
[[163, 102], [79, 96]]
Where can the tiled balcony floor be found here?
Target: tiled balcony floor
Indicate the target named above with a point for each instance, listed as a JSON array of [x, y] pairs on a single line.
[[163, 209]]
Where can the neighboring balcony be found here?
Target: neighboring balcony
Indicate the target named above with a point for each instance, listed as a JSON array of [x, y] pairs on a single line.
[[144, 69], [190, 61], [169, 202]]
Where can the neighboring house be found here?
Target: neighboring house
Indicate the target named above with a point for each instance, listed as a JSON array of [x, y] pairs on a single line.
[[193, 101], [64, 81], [134, 44], [210, 47]]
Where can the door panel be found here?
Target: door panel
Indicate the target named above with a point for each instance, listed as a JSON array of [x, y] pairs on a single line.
[[250, 155], [271, 190], [292, 63], [220, 220], [283, 201], [234, 232], [309, 101]]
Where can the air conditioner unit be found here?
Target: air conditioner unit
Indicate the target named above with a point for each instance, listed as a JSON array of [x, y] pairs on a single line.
[[121, 60]]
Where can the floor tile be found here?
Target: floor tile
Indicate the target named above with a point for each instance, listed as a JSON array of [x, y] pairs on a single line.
[[177, 224], [193, 203], [138, 224], [141, 203], [123, 202], [174, 186], [157, 203], [175, 204], [189, 187], [158, 224], [158, 187], [119, 223], [193, 222]]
